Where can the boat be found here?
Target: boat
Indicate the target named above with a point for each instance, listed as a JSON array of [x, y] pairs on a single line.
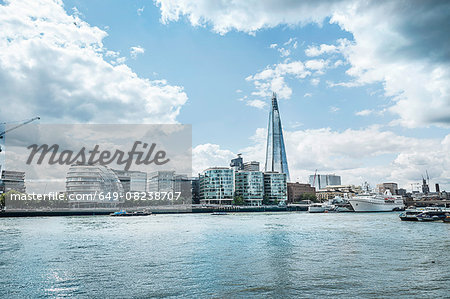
[[320, 208], [377, 202], [447, 218], [410, 214], [432, 215], [425, 214], [123, 213]]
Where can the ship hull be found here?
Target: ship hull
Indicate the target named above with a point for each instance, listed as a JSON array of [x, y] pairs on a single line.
[[363, 205]]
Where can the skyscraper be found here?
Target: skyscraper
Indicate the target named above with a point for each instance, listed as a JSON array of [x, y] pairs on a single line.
[[275, 152]]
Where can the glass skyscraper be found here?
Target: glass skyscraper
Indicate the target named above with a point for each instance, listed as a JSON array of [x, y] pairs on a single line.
[[275, 152]]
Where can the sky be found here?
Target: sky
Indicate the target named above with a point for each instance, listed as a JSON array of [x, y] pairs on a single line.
[[363, 86]]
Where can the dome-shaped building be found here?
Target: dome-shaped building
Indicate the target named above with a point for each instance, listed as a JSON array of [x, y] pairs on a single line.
[[96, 183]]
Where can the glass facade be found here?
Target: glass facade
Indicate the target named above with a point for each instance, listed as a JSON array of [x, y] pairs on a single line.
[[276, 160], [250, 186], [275, 186], [217, 186], [95, 180]]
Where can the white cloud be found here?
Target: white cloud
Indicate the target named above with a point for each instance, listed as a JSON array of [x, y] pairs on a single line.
[[334, 109], [409, 58], [53, 65], [364, 112], [273, 78], [307, 95], [140, 10], [209, 155], [273, 46], [257, 104], [134, 51], [315, 81]]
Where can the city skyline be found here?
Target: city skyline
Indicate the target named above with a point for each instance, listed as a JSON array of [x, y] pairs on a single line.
[[363, 90]]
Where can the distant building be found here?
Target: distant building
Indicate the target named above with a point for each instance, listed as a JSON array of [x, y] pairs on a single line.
[[250, 186], [344, 191], [96, 181], [237, 163], [275, 187], [195, 190], [217, 186], [320, 181], [183, 184], [296, 190], [132, 181], [161, 181], [169, 181], [13, 180], [251, 166], [401, 192], [425, 187], [392, 187]]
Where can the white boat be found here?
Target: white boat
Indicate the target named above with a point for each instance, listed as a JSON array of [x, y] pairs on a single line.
[[320, 208], [377, 202]]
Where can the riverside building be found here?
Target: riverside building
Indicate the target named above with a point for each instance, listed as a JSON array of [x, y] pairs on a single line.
[[217, 186], [250, 186], [275, 187], [296, 190], [12, 180], [93, 183], [132, 181]]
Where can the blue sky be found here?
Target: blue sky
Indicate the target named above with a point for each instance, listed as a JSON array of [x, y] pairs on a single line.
[[353, 98]]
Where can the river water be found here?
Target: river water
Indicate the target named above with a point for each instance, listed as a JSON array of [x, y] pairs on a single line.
[[289, 255]]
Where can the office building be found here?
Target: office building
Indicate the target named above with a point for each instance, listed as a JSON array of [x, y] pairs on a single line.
[[392, 187], [276, 160], [251, 166], [13, 180], [237, 163], [99, 183], [275, 187], [250, 186], [320, 181], [161, 181], [295, 191], [132, 181], [217, 186]]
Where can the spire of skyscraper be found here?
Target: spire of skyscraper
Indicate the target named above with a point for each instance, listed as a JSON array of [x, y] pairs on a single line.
[[275, 151]]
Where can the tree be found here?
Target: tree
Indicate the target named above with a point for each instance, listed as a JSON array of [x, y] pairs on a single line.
[[238, 201], [266, 200], [308, 196]]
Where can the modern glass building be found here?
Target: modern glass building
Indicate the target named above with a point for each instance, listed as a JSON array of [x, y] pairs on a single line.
[[217, 186], [96, 181], [250, 186], [132, 181], [275, 186], [276, 160], [161, 181], [321, 181]]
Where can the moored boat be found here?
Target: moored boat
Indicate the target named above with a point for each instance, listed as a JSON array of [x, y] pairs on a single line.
[[123, 213], [377, 202]]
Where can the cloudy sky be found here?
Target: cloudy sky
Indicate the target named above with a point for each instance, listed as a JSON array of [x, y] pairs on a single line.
[[363, 85]]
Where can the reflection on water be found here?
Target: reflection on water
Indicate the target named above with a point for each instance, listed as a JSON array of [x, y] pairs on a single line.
[[238, 255]]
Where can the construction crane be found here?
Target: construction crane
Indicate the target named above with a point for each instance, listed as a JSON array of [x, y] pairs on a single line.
[[23, 123]]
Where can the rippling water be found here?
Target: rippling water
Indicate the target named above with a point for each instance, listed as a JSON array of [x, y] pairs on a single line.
[[240, 255]]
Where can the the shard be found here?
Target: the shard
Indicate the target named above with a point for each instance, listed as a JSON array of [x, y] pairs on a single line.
[[275, 151]]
